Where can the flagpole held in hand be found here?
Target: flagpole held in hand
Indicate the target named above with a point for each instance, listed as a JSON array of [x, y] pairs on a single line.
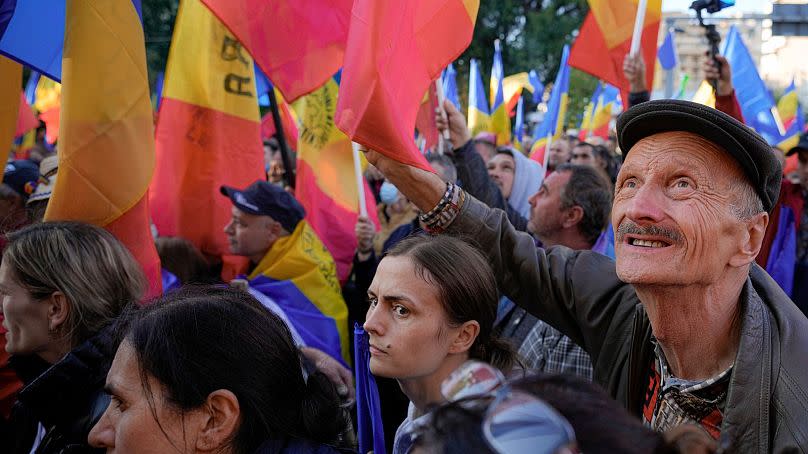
[[441, 97], [639, 22], [360, 187]]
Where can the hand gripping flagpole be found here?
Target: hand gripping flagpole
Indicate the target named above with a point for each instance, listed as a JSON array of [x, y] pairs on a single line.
[[360, 186], [441, 98], [636, 38]]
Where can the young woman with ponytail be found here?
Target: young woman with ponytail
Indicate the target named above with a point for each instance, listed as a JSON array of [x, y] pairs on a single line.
[[211, 370], [433, 304]]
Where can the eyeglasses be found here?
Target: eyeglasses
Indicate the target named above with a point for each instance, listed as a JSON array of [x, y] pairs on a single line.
[[515, 422]]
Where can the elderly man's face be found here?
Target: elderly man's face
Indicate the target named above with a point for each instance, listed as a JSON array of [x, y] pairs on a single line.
[[672, 212]]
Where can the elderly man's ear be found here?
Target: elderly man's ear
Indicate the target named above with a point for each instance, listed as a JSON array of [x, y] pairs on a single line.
[[751, 240]]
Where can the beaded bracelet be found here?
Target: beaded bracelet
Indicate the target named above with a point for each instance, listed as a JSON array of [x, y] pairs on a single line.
[[433, 213], [440, 217]]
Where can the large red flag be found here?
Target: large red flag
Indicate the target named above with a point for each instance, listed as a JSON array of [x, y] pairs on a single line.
[[298, 44], [208, 133], [605, 40], [395, 50]]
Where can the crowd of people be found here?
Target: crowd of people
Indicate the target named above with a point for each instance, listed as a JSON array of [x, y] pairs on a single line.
[[614, 300]]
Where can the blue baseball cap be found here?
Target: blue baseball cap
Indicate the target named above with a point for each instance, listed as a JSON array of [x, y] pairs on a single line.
[[21, 176], [265, 199]]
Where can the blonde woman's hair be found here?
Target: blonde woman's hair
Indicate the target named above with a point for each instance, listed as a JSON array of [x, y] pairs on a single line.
[[95, 272]]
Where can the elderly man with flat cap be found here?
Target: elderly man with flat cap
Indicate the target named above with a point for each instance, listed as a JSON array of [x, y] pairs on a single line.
[[684, 328]]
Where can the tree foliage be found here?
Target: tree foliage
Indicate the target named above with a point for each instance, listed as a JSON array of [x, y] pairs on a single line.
[[533, 34]]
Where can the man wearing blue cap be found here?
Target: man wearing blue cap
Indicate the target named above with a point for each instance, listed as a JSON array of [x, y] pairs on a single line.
[[684, 328], [291, 273], [262, 213]]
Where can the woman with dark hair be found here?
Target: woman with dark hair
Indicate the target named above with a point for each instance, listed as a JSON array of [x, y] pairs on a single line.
[[541, 414], [210, 369], [432, 307], [62, 285]]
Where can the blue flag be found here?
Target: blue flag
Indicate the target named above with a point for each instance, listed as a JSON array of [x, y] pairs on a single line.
[[519, 125], [538, 87], [450, 85], [757, 103], [783, 255], [667, 53], [158, 89], [368, 407], [262, 87], [32, 32], [30, 86]]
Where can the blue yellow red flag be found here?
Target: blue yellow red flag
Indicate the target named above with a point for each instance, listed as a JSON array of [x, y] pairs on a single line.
[[793, 118], [553, 123], [500, 121], [299, 274], [479, 117]]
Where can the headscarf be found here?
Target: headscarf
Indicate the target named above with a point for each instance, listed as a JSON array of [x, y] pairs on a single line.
[[527, 177]]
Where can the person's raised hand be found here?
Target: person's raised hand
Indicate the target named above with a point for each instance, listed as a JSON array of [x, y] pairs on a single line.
[[336, 372], [450, 118], [634, 70], [365, 231], [723, 73]]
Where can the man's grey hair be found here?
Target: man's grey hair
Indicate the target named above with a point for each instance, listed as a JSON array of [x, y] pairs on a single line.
[[747, 202]]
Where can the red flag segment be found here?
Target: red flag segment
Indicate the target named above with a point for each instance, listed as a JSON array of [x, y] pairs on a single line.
[[298, 44], [395, 50], [600, 49]]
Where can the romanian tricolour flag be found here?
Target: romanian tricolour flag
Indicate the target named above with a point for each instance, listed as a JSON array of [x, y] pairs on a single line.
[[598, 113], [395, 50], [326, 184], [208, 132], [288, 122], [553, 124], [26, 120], [792, 116], [299, 276], [500, 121], [299, 44], [106, 151], [605, 39], [32, 32], [479, 117]]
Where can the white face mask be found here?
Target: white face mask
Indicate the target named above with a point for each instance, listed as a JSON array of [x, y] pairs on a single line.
[[388, 193]]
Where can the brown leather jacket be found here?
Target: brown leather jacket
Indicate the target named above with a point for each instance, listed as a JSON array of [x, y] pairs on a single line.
[[579, 293]]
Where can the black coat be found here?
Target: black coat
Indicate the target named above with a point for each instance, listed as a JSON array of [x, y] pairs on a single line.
[[67, 398]]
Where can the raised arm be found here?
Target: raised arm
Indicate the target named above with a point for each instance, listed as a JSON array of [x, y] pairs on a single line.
[[471, 170], [575, 291]]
